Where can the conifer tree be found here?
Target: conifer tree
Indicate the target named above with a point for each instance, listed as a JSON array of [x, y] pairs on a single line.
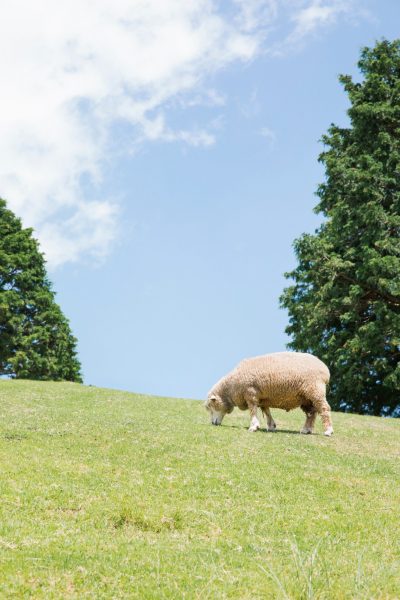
[[344, 304], [35, 338]]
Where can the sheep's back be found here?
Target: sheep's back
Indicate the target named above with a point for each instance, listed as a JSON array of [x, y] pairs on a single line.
[[283, 378]]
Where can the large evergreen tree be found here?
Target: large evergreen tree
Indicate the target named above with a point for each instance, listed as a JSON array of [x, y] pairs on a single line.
[[344, 304], [35, 337]]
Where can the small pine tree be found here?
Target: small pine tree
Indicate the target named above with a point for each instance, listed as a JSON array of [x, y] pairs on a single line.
[[344, 304], [35, 338]]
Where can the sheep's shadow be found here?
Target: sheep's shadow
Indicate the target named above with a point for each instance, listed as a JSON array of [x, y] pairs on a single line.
[[265, 430]]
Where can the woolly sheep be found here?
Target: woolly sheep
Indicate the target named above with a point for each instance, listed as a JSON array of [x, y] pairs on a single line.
[[280, 380]]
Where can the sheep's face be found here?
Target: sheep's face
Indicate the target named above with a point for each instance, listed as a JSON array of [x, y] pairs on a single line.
[[216, 408]]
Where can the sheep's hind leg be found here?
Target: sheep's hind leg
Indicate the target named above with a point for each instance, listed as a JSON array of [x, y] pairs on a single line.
[[325, 413], [323, 409], [311, 414], [270, 421]]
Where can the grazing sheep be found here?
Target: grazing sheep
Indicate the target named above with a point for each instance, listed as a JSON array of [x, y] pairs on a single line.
[[281, 380]]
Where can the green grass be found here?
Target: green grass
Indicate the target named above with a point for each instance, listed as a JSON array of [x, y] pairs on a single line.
[[107, 494]]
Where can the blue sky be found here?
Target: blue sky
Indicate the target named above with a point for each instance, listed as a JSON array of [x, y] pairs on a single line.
[[167, 159]]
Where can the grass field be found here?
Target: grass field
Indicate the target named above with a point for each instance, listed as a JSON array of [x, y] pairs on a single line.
[[106, 494]]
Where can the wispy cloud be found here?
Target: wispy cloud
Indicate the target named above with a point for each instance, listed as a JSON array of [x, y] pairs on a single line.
[[252, 106], [312, 16], [269, 135], [72, 70], [256, 14]]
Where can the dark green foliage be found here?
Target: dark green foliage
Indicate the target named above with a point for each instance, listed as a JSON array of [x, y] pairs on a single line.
[[344, 304], [35, 337]]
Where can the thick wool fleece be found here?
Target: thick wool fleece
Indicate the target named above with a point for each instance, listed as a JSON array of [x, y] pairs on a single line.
[[281, 380]]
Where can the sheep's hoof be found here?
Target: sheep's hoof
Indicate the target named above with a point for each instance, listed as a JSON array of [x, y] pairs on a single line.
[[328, 432], [272, 427], [306, 430], [254, 428]]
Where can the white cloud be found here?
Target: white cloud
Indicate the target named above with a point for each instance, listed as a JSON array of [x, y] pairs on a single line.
[[254, 14], [314, 15], [70, 70], [252, 107], [269, 135]]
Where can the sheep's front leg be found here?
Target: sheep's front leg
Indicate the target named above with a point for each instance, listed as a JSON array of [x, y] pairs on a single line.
[[270, 421], [254, 423], [252, 403]]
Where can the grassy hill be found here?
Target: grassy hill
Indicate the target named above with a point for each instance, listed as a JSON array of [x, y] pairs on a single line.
[[106, 494]]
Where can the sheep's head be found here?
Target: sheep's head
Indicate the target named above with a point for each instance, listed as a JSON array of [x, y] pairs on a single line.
[[217, 408]]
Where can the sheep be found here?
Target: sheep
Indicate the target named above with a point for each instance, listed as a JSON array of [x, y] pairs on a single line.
[[280, 380]]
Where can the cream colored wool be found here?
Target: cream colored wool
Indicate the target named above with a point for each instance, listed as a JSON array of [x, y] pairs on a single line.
[[281, 380]]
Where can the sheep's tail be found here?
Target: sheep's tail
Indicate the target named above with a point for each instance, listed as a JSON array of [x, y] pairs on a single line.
[[327, 377]]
